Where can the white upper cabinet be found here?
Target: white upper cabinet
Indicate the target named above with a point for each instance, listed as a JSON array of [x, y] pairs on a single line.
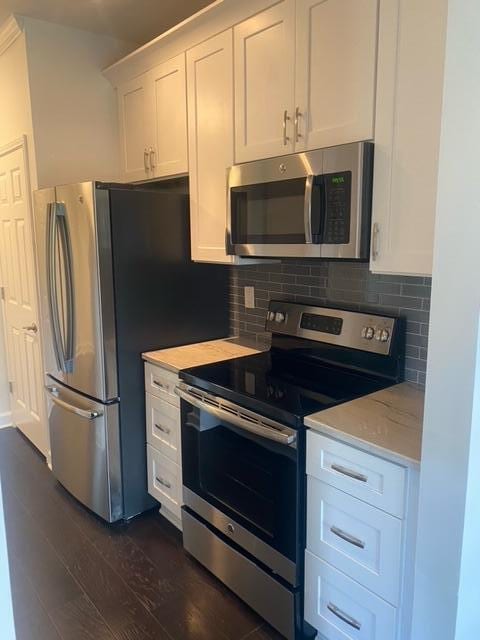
[[407, 134], [167, 125], [210, 127], [153, 122], [305, 77], [132, 108], [336, 56], [264, 80]]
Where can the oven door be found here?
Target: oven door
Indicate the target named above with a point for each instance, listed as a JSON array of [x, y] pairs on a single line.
[[241, 474]]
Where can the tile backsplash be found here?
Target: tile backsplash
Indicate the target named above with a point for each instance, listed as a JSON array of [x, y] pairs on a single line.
[[341, 284]]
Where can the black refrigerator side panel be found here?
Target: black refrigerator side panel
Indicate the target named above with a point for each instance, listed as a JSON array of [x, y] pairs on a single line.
[[162, 299]]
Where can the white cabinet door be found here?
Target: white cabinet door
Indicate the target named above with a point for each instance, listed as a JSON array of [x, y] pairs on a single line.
[[264, 83], [336, 52], [340, 609], [133, 115], [407, 134], [210, 135], [167, 125]]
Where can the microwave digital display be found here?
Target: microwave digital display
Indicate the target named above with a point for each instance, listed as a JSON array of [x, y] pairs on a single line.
[[338, 196]]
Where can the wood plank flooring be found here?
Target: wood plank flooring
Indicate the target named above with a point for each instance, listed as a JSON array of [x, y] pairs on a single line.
[[76, 578]]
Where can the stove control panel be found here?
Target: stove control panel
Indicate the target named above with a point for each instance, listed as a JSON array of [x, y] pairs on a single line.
[[344, 328]]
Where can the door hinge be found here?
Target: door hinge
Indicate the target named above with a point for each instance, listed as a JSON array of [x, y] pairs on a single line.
[[2, 293], [10, 386]]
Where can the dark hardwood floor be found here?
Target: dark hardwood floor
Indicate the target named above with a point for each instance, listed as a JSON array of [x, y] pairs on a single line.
[[75, 578]]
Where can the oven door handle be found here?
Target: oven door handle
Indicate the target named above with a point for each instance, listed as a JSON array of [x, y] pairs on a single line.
[[250, 422]]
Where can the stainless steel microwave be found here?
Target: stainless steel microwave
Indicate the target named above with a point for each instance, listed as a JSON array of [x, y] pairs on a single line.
[[315, 204]]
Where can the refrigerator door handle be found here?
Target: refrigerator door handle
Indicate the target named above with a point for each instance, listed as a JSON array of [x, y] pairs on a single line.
[[83, 413], [52, 286], [60, 213]]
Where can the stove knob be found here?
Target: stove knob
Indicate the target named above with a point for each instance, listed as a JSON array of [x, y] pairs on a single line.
[[279, 317], [378, 334], [271, 316], [368, 333], [385, 335]]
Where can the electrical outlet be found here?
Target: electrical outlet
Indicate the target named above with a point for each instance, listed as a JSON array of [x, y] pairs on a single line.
[[249, 297]]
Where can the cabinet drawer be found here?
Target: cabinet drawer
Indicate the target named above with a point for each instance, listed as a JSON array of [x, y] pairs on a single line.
[[163, 427], [164, 481], [341, 609], [161, 383], [360, 540], [360, 474]]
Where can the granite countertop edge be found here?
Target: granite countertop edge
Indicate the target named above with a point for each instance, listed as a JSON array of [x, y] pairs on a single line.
[[315, 423]]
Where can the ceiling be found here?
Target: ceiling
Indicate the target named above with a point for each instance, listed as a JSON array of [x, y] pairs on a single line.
[[136, 21]]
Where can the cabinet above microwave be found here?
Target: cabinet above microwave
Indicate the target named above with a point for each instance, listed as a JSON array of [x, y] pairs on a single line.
[[310, 205]]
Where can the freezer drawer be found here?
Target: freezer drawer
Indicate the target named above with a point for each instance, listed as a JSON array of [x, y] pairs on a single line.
[[85, 444]]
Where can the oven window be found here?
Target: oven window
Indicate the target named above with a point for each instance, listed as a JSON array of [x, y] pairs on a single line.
[[250, 479], [269, 213]]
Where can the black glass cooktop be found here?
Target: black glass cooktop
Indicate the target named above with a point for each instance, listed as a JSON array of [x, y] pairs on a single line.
[[283, 387]]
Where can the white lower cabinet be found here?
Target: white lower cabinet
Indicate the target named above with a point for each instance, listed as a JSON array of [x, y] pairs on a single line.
[[341, 609], [362, 541], [361, 523], [164, 481], [164, 450]]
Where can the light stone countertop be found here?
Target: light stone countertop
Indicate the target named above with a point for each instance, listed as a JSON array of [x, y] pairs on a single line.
[[193, 355], [387, 423]]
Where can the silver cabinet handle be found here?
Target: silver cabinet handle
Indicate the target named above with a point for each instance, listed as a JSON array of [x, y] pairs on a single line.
[[286, 117], [31, 327], [344, 616], [146, 160], [375, 234], [151, 154], [347, 537], [163, 482], [160, 385], [348, 472], [298, 115], [83, 413], [165, 430]]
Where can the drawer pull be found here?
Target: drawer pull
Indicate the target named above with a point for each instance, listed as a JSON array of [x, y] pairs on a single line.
[[348, 472], [163, 482], [165, 430], [344, 616], [347, 537], [160, 385]]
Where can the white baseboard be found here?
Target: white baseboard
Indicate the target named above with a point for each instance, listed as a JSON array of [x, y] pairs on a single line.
[[5, 420]]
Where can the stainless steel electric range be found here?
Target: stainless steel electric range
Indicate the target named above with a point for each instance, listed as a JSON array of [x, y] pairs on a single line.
[[243, 447]]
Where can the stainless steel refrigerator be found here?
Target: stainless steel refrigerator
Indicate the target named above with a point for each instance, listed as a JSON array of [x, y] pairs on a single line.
[[115, 280]]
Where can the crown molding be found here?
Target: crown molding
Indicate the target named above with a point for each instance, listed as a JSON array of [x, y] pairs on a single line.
[[9, 32]]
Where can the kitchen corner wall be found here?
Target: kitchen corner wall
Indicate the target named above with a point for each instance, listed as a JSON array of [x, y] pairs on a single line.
[[336, 284]]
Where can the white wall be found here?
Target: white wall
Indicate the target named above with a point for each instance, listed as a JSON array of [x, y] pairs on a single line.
[[73, 105], [447, 584], [6, 613], [4, 395]]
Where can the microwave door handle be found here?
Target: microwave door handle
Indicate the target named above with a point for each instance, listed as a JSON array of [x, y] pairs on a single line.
[[307, 209]]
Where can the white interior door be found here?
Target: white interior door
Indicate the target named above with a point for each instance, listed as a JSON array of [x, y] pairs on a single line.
[[20, 298], [336, 54], [264, 83]]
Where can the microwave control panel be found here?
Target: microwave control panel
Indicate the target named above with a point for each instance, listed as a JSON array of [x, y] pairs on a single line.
[[338, 198]]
